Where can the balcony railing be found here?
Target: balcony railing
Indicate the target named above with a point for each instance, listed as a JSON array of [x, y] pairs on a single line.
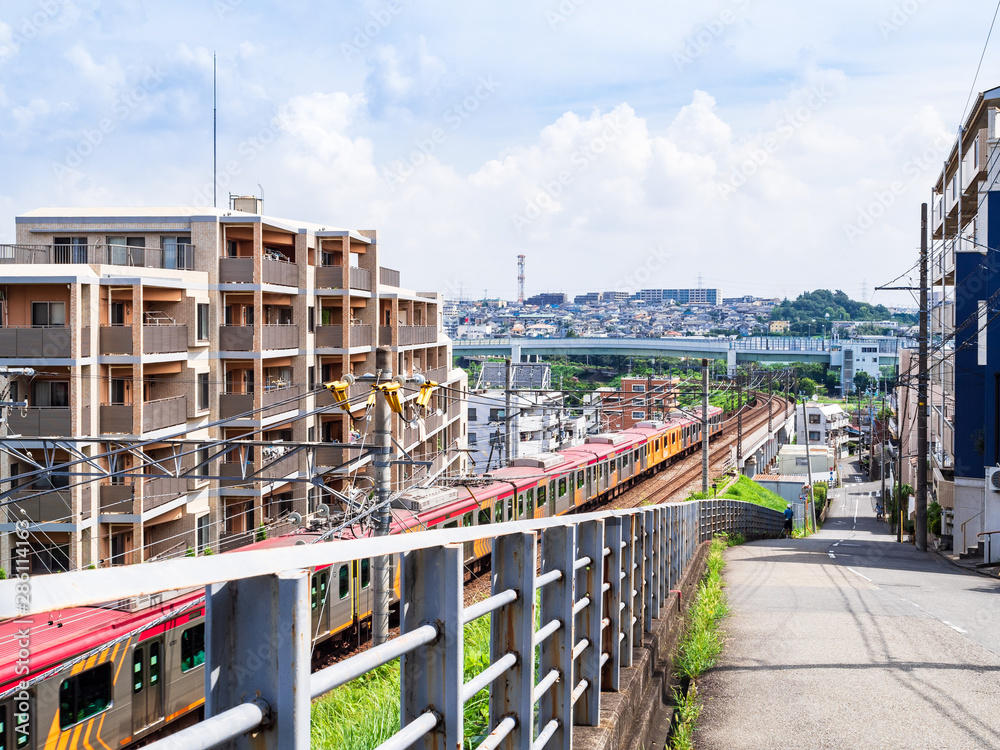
[[276, 469], [164, 339], [162, 490], [332, 277], [164, 412], [280, 337], [50, 341], [330, 336], [235, 270], [115, 340], [234, 404], [412, 335], [181, 257], [40, 421], [385, 335], [235, 338], [361, 335], [52, 507], [273, 396], [360, 278], [280, 272], [388, 277]]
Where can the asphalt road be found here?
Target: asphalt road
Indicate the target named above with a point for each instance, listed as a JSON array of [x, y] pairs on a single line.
[[849, 640]]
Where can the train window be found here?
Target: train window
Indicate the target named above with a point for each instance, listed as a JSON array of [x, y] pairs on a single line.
[[498, 510], [154, 663], [137, 659], [531, 503], [366, 572], [452, 524], [3, 728], [467, 519], [344, 581], [542, 499], [19, 723], [484, 515], [324, 579], [562, 487], [637, 457], [85, 695], [520, 505], [579, 480], [193, 647], [509, 515]]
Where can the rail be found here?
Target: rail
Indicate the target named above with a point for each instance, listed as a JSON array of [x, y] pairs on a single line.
[[603, 579]]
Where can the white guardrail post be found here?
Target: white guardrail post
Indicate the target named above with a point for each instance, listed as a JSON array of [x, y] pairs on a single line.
[[431, 676], [555, 705], [512, 630], [589, 585], [613, 605], [257, 649]]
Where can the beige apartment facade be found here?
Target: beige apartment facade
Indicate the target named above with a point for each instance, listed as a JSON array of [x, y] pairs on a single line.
[[158, 334]]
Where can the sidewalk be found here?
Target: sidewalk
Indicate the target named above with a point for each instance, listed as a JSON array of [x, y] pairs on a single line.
[[849, 640]]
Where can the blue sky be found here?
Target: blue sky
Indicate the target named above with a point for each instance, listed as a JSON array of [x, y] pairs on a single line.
[[769, 146]]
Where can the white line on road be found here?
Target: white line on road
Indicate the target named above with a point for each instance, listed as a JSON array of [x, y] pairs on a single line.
[[832, 556], [954, 627], [859, 574]]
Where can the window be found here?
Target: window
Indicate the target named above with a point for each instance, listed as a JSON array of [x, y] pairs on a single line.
[[201, 533], [473, 438], [319, 582], [814, 437], [312, 377], [48, 314], [193, 647], [311, 319], [126, 251], [154, 663], [638, 388], [498, 511], [343, 582], [814, 419], [366, 572], [520, 505], [177, 252], [85, 695], [800, 461], [70, 249], [49, 393], [202, 314], [531, 503], [472, 415], [541, 496], [202, 390], [467, 519], [484, 515], [496, 415], [137, 659]]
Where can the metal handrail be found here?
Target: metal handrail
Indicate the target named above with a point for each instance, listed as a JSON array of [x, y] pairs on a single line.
[[989, 543]]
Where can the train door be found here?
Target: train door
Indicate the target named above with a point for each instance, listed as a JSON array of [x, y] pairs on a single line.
[[362, 588], [147, 684], [318, 599], [340, 605]]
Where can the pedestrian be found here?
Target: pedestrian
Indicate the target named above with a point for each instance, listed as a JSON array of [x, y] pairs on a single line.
[[789, 518]]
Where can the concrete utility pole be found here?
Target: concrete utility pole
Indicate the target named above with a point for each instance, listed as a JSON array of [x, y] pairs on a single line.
[[920, 527], [811, 502], [383, 489], [506, 411], [881, 457], [739, 418], [704, 427]]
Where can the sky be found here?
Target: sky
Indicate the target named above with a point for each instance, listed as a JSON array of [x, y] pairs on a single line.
[[763, 147]]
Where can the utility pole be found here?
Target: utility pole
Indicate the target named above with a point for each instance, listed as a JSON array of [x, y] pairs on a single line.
[[739, 418], [920, 527], [506, 411], [770, 391], [810, 502], [383, 490], [881, 458], [704, 427]]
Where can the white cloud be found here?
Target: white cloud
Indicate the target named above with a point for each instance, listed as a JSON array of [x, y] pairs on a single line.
[[108, 74]]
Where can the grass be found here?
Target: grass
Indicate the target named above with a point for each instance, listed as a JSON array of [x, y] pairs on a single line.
[[365, 713], [749, 491], [701, 645]]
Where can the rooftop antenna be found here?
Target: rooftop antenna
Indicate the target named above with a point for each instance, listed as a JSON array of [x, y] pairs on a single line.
[[261, 196], [215, 134]]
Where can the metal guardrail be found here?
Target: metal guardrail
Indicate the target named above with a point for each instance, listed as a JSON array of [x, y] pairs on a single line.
[[604, 578]]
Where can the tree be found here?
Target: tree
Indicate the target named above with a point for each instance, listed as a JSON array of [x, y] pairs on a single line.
[[807, 386], [862, 380]]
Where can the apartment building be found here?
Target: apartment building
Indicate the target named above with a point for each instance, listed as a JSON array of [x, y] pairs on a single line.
[[964, 393], [637, 400], [825, 424], [150, 326]]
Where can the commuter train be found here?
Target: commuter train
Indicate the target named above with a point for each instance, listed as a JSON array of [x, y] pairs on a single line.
[[111, 677]]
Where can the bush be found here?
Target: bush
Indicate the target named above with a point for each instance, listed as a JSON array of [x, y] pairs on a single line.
[[934, 518], [820, 495], [261, 534]]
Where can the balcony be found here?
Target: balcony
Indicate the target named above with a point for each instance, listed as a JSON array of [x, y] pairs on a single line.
[[179, 257], [278, 395], [164, 412], [330, 336], [330, 277], [164, 339], [280, 337], [360, 279], [115, 340], [50, 507], [35, 342], [385, 335], [413, 335], [277, 469], [388, 277], [361, 335], [233, 404], [116, 419], [162, 490], [40, 421], [117, 498], [280, 272], [235, 338], [235, 270]]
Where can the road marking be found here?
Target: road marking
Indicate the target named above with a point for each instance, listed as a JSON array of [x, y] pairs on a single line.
[[832, 556], [954, 627], [837, 544], [859, 574]]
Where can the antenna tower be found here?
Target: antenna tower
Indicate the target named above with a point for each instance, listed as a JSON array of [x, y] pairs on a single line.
[[520, 279]]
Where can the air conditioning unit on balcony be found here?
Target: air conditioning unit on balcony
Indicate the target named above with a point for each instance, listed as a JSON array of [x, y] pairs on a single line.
[[993, 478]]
